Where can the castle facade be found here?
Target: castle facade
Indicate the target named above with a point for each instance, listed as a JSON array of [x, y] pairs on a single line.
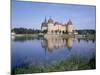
[[54, 27]]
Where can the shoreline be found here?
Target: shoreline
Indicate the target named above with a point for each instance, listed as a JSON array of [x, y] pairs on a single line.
[[92, 36]]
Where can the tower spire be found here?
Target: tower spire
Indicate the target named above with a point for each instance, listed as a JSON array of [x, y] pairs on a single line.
[[45, 19]]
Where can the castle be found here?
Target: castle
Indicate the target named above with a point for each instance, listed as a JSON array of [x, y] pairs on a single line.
[[54, 27]]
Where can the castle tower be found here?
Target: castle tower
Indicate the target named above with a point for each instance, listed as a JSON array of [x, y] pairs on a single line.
[[69, 26], [50, 25], [44, 25]]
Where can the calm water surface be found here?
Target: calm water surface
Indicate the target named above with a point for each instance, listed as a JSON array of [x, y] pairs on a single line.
[[38, 50]]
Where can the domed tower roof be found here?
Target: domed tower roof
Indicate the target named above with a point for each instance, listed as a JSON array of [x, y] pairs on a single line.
[[69, 22], [50, 20]]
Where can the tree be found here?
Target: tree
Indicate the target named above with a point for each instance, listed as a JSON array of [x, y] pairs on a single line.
[[25, 31]]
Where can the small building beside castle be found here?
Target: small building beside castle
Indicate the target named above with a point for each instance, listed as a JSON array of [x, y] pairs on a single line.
[[54, 27]]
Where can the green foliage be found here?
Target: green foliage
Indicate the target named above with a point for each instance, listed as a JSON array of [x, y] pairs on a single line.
[[25, 31], [69, 64], [35, 31], [86, 32]]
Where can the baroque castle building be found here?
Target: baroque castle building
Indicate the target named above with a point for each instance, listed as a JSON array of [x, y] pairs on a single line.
[[51, 26]]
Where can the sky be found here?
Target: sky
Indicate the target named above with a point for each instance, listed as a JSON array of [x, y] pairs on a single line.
[[32, 14]]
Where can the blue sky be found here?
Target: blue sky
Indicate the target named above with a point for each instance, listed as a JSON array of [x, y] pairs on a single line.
[[32, 14]]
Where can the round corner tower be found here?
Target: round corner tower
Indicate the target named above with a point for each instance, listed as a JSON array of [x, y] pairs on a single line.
[[69, 26]]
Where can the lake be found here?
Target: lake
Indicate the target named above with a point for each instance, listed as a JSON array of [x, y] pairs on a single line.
[[40, 50]]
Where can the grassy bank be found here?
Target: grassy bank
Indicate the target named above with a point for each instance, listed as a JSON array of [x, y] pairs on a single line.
[[69, 64]]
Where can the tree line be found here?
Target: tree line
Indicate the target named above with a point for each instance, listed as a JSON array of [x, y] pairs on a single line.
[[35, 31], [86, 31], [25, 31]]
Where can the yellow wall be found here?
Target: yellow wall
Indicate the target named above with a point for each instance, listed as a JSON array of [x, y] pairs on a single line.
[[70, 28], [51, 27]]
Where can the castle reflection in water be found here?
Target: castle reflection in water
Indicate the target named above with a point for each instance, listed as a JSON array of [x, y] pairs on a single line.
[[52, 43]]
